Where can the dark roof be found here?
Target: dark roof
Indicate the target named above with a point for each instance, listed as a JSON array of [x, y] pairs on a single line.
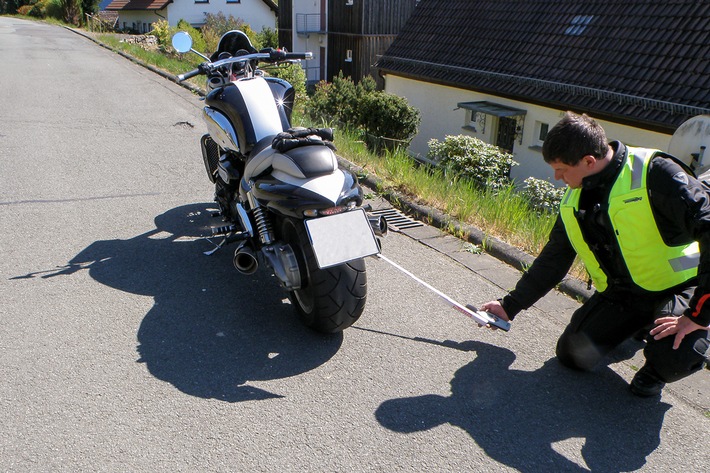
[[138, 4], [273, 5], [159, 4], [642, 62]]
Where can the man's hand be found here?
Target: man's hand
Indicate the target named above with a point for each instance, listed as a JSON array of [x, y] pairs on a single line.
[[680, 326], [495, 308]]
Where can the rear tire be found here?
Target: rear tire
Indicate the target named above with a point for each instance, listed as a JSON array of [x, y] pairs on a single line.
[[329, 300]]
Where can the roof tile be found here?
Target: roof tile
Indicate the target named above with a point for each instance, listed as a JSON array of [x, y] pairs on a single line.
[[530, 49], [137, 4]]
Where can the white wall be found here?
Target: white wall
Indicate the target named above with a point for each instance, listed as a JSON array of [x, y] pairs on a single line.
[[254, 12], [127, 18], [440, 118], [312, 42]]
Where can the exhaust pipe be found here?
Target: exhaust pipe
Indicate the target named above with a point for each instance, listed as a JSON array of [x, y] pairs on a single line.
[[245, 260], [378, 224]]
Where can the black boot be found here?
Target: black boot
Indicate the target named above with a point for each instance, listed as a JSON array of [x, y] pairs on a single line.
[[646, 383]]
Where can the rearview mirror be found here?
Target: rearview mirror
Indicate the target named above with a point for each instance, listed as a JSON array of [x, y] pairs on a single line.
[[182, 42]]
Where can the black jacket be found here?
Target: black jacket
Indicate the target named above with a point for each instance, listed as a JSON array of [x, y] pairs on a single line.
[[681, 207]]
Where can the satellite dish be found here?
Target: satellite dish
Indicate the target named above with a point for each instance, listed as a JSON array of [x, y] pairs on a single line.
[[691, 142]]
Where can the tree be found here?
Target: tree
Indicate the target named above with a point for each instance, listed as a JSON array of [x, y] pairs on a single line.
[[89, 6], [216, 25], [268, 38], [71, 11], [10, 6]]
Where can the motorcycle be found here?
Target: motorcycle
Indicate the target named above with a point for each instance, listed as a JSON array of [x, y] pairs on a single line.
[[280, 190]]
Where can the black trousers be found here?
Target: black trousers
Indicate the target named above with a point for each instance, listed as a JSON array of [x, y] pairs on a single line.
[[607, 320]]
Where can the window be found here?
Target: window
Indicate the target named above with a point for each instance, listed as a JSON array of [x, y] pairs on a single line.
[[202, 1], [539, 136], [578, 25], [234, 1], [471, 119], [474, 121], [349, 2], [542, 129], [349, 55]]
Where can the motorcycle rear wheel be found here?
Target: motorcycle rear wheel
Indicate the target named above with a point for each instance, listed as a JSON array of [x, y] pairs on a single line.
[[331, 299]]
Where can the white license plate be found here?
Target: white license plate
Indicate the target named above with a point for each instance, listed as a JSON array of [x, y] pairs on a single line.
[[341, 238]]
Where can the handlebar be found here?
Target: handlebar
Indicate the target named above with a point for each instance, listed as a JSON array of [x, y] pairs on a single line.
[[273, 55], [280, 55], [188, 75]]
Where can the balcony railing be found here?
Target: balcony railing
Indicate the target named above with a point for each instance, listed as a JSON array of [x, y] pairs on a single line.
[[312, 73], [308, 23]]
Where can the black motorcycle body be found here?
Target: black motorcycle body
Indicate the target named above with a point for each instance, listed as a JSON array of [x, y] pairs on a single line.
[[282, 196]]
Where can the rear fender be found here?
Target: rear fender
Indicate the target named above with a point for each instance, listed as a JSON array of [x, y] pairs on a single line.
[[290, 196]]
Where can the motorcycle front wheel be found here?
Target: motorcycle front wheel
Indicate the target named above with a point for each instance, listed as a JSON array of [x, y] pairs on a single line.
[[331, 299]]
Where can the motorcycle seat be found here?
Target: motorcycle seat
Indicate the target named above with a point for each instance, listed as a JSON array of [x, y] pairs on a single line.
[[303, 162]]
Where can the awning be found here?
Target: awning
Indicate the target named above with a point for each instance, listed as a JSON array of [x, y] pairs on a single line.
[[490, 108]]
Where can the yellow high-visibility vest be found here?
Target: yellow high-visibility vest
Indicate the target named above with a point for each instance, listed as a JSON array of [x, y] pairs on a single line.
[[653, 265]]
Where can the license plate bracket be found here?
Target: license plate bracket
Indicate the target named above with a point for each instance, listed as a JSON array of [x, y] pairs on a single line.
[[340, 238]]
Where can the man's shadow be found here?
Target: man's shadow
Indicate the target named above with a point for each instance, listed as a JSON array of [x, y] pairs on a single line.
[[516, 417], [211, 330]]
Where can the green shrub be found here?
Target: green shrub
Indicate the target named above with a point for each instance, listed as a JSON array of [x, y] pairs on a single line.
[[542, 195], [379, 114], [27, 10], [216, 24], [163, 32], [319, 102], [51, 9], [388, 116], [366, 85], [485, 164], [268, 38], [90, 7], [340, 102], [71, 11], [41, 9], [198, 42]]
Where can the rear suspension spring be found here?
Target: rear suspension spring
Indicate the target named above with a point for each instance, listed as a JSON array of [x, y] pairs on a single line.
[[263, 226]]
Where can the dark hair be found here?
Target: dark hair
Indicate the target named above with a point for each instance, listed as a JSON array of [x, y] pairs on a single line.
[[574, 137]]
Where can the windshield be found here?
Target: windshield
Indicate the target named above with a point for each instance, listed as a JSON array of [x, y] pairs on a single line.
[[232, 42]]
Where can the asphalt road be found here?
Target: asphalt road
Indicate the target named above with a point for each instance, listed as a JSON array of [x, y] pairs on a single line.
[[124, 348]]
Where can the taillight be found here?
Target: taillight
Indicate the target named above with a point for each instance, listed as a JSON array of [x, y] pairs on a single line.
[[333, 210]]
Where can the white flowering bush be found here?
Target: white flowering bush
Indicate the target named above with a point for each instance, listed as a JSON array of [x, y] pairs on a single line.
[[485, 164], [542, 195]]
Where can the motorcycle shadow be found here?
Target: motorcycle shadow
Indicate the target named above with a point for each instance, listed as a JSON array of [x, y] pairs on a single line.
[[211, 330], [550, 419]]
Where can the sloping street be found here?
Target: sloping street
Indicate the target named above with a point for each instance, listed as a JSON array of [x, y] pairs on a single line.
[[123, 347]]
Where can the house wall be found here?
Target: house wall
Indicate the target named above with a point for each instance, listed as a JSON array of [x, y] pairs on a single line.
[[440, 118], [285, 22], [143, 19], [312, 42], [386, 16], [254, 12], [366, 28], [365, 17]]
